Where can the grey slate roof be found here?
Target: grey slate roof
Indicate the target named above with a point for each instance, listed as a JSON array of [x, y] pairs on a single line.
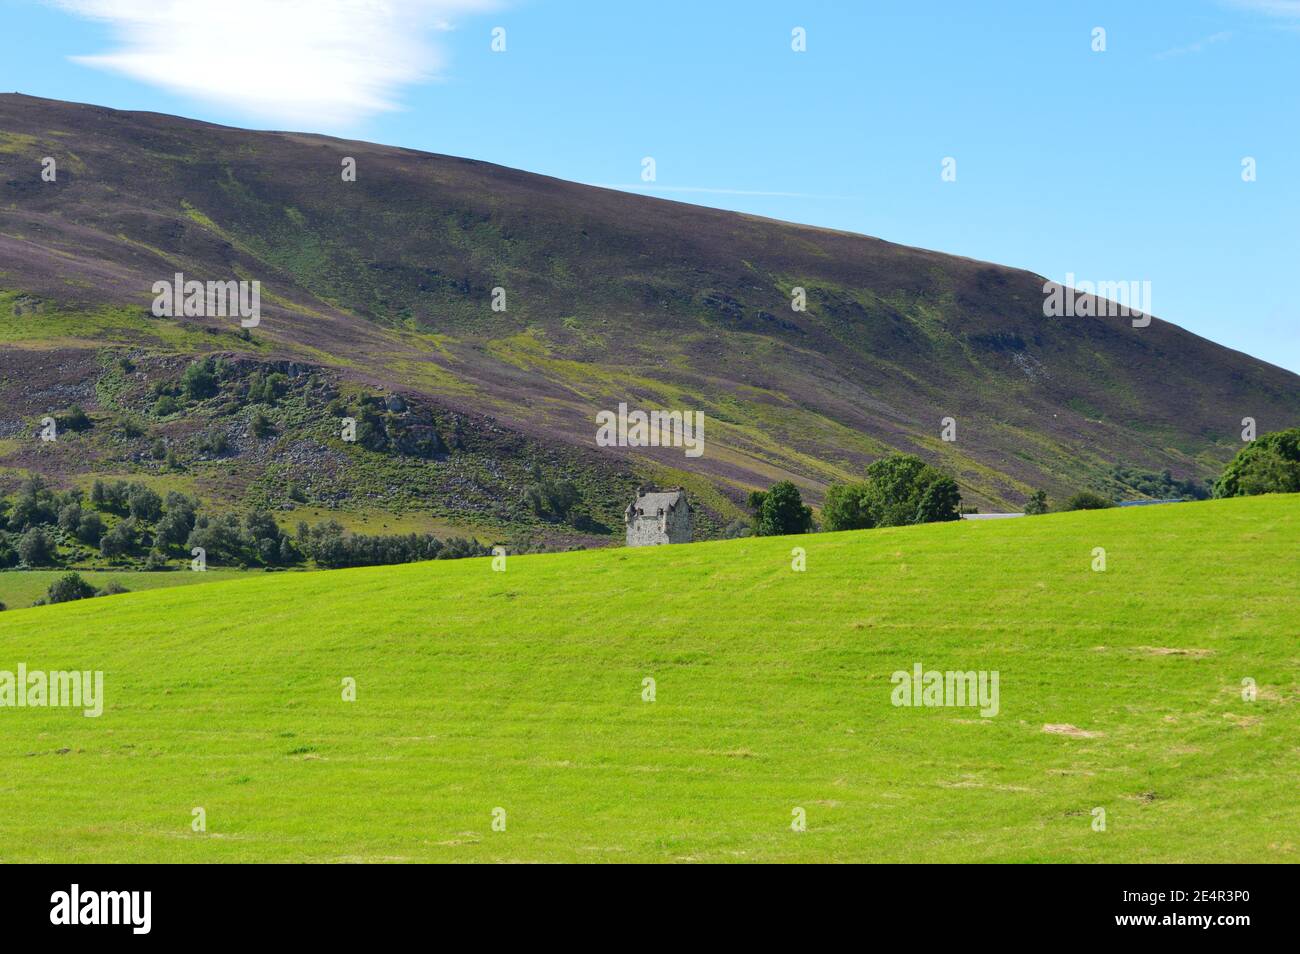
[[651, 503]]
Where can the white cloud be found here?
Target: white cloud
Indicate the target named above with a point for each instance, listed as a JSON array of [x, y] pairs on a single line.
[[1276, 8], [1196, 47], [305, 63]]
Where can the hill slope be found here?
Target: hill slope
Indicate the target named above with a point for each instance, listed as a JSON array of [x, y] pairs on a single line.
[[522, 690], [610, 297]]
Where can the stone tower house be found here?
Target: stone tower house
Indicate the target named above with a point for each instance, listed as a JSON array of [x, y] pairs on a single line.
[[658, 516]]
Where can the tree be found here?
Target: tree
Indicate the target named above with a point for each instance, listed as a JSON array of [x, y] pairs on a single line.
[[36, 504], [177, 521], [90, 530], [783, 512], [143, 503], [36, 547], [940, 501], [70, 517], [1268, 465], [550, 499], [1087, 500], [120, 540], [845, 507], [69, 587], [199, 380], [1037, 503], [902, 489]]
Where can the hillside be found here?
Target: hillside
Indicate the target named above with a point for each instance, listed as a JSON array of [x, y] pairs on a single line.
[[384, 285], [522, 690]]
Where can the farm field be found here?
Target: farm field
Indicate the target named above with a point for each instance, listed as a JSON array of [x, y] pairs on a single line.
[[523, 691], [21, 588]]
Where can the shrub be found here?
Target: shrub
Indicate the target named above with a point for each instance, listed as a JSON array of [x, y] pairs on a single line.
[[1037, 503], [75, 420], [782, 512], [260, 425], [69, 587], [166, 405], [550, 499], [267, 389], [199, 380], [37, 547], [1087, 500], [1161, 486], [1269, 465], [215, 443]]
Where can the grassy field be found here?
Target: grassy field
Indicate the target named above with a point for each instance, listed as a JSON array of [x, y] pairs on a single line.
[[21, 588], [523, 690]]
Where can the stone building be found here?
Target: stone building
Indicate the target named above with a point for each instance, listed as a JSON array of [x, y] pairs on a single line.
[[658, 516]]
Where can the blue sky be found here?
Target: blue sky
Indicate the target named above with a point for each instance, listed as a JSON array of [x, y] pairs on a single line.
[[1117, 165]]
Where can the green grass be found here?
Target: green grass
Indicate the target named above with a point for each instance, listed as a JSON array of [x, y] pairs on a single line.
[[522, 690], [21, 588]]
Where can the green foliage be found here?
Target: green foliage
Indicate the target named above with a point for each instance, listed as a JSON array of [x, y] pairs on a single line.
[[903, 489], [1037, 503], [1087, 500], [548, 498], [199, 380], [37, 547], [177, 521], [328, 545], [1161, 486], [268, 388], [70, 517], [782, 512], [69, 587], [260, 425], [122, 540], [846, 507], [214, 443], [35, 505], [143, 503], [900, 489], [166, 406], [1268, 465], [90, 529], [75, 420]]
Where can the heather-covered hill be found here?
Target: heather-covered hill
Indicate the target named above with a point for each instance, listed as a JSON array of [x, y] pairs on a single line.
[[386, 282]]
